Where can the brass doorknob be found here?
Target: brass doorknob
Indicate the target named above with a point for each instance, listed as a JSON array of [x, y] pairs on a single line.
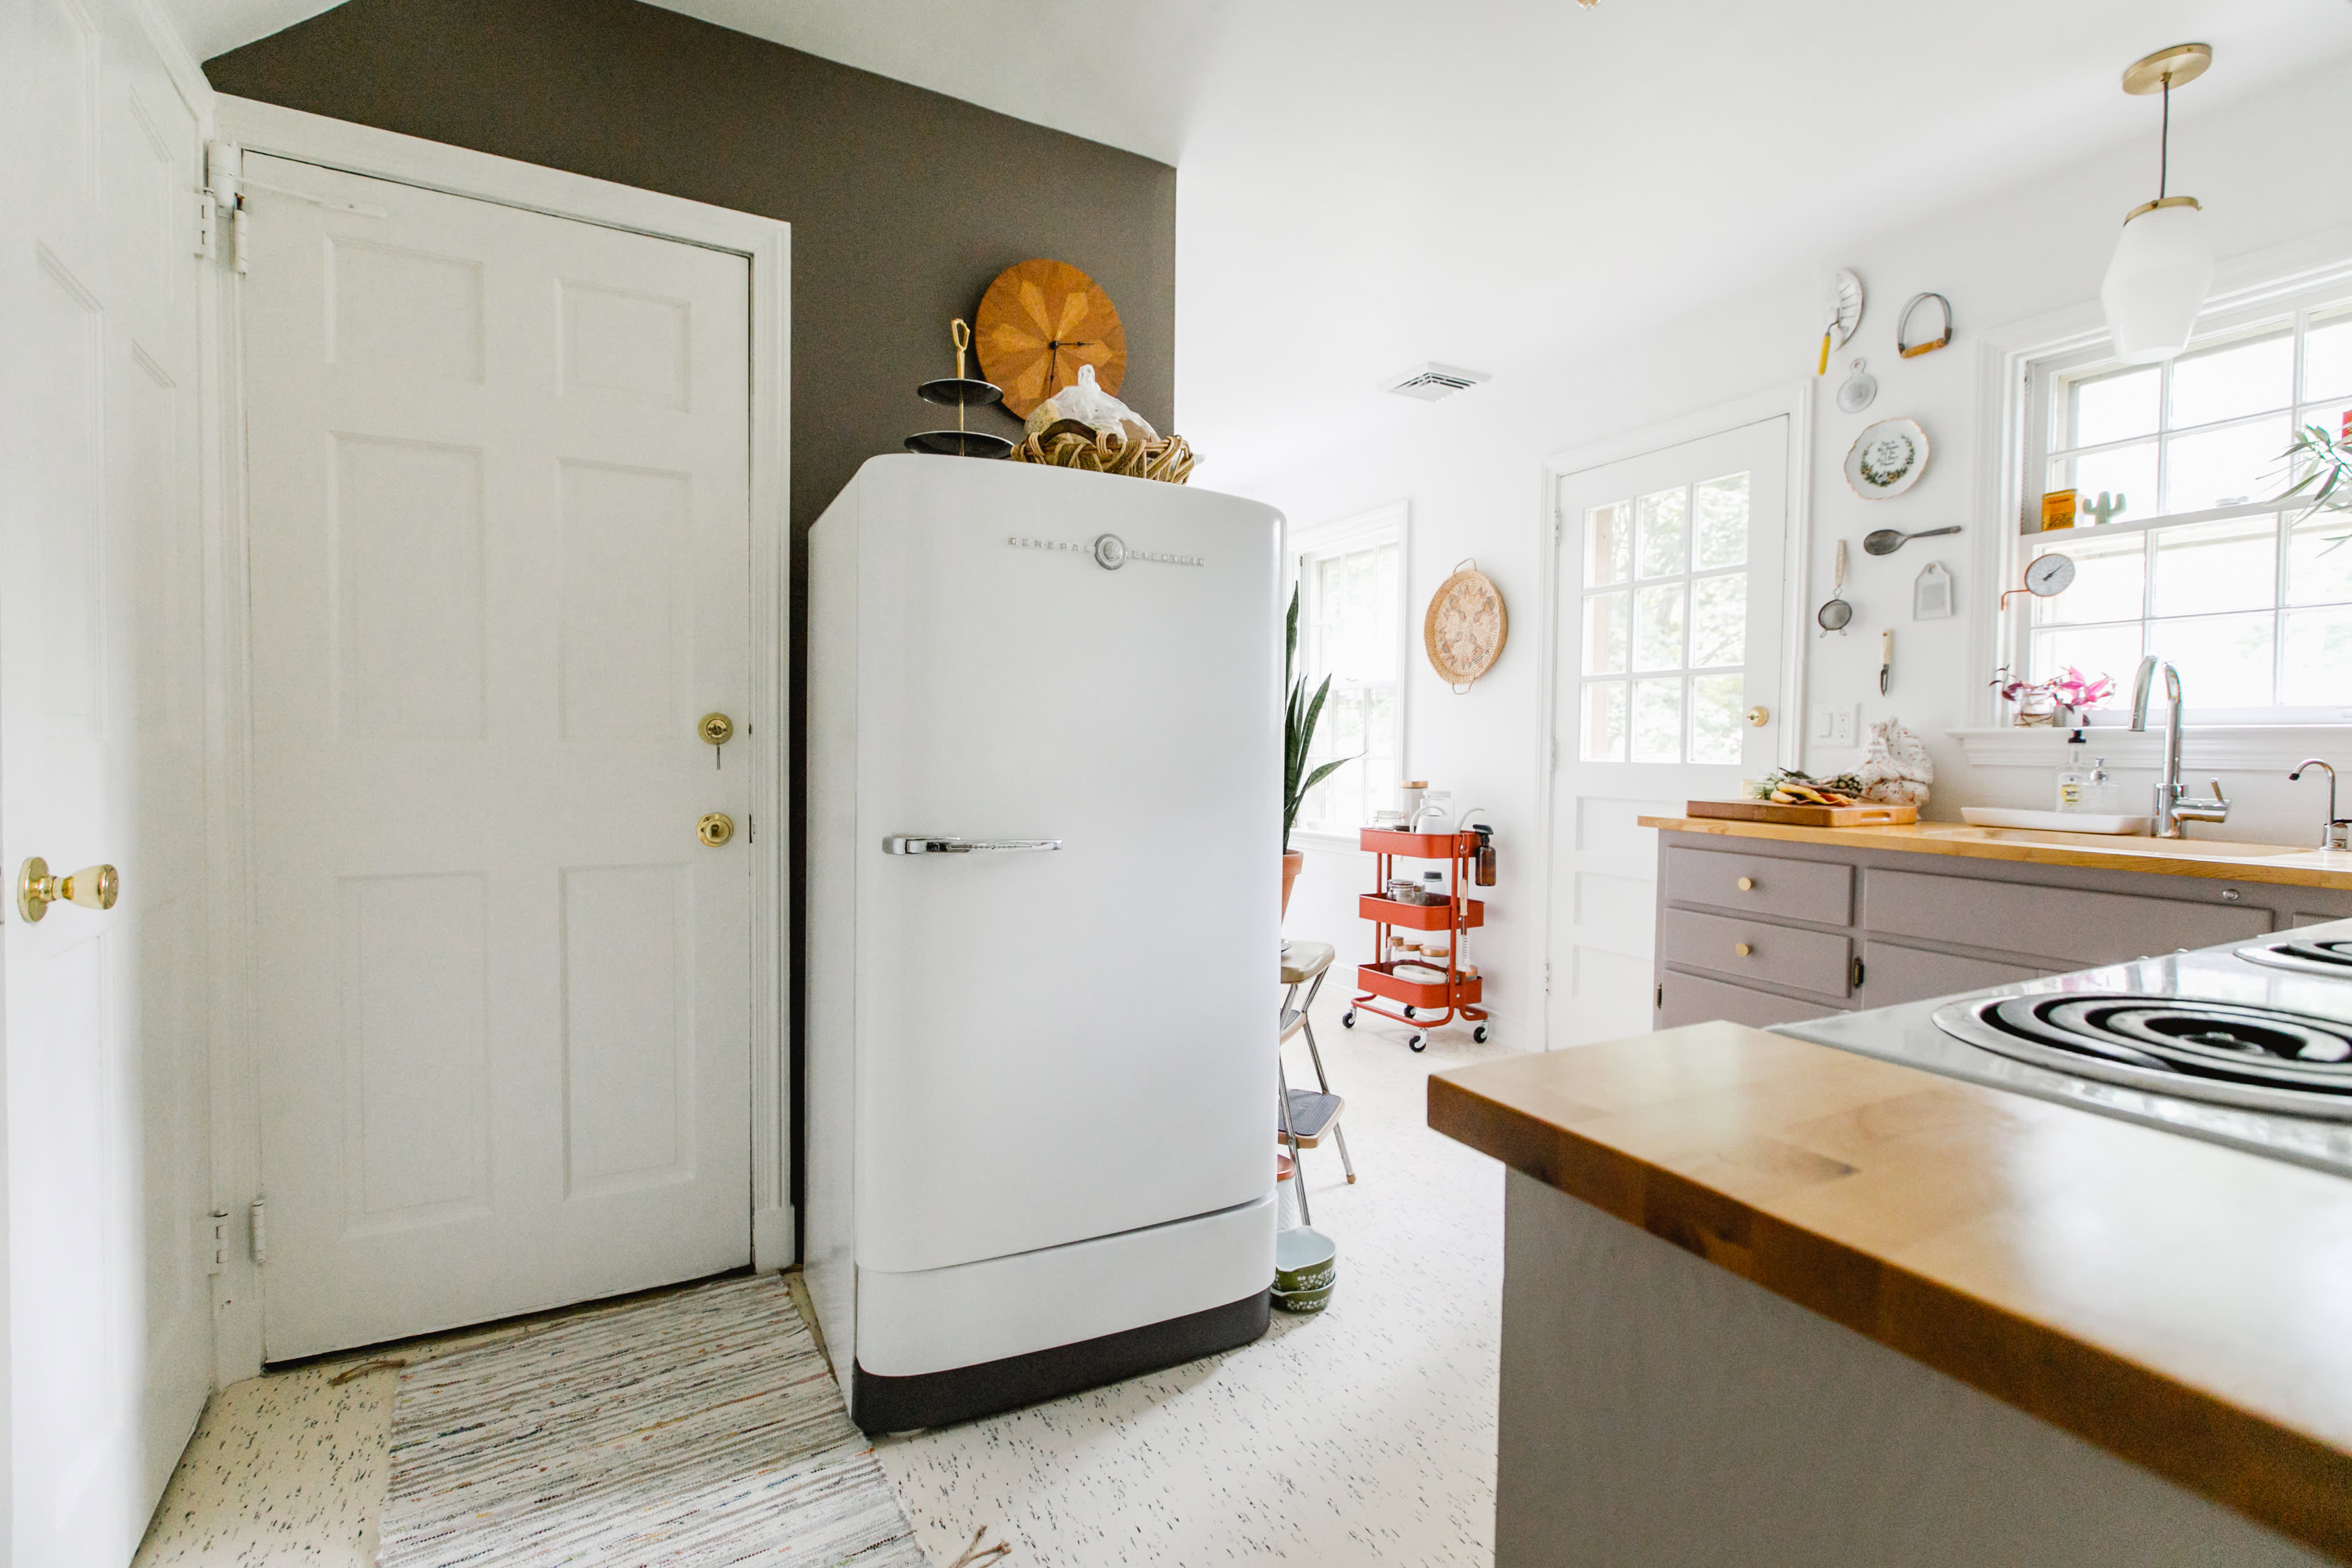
[[715, 829], [715, 729], [93, 887], [1759, 716]]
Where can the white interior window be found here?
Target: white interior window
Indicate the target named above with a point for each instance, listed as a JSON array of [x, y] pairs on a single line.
[[1351, 626], [2196, 561]]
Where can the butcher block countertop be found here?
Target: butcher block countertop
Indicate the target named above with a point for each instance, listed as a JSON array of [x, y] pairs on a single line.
[[2184, 1306], [2214, 857]]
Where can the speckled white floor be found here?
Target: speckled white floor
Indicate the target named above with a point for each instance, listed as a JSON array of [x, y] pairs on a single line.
[[1362, 1435]]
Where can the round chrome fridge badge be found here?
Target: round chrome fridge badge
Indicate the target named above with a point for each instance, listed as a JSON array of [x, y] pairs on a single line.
[[1110, 551]]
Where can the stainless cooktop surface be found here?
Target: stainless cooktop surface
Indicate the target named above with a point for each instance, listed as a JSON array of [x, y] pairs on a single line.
[[2249, 1045]]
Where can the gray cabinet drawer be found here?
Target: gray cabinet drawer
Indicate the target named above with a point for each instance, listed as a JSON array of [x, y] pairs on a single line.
[[1775, 956], [1765, 885], [1694, 999], [2069, 927], [1892, 974]]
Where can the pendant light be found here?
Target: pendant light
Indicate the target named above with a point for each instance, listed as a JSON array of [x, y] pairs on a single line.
[[2164, 262]]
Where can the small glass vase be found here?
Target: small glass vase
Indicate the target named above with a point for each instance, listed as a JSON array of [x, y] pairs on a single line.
[[2038, 710]]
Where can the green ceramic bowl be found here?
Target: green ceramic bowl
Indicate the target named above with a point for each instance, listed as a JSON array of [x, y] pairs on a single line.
[[1304, 1259], [1303, 1301]]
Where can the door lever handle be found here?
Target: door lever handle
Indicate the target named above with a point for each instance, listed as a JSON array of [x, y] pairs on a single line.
[[941, 844]]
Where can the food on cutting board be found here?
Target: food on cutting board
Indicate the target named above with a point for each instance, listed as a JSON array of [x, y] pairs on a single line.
[[1787, 786]]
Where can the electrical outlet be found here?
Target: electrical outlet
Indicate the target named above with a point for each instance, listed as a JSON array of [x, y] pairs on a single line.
[[1836, 725]]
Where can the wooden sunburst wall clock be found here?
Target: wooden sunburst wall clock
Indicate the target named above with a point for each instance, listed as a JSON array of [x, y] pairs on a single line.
[[1038, 322]]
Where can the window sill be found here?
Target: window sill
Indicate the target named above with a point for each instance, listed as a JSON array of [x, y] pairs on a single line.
[[1330, 840], [2221, 746]]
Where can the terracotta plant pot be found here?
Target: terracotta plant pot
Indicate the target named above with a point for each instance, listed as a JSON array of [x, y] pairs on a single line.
[[1291, 861]]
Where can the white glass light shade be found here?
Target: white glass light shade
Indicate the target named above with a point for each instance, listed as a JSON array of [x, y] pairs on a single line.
[[2156, 283]]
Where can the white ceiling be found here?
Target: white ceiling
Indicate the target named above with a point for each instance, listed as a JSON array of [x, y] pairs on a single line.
[[1368, 183]]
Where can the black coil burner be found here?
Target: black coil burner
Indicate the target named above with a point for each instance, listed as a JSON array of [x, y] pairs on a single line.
[[2260, 1058], [2307, 957]]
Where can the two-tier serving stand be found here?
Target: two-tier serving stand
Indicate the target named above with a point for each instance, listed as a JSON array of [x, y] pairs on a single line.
[[1427, 1004]]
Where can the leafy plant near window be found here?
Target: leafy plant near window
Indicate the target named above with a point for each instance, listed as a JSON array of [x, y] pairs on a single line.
[[1298, 730], [2328, 485]]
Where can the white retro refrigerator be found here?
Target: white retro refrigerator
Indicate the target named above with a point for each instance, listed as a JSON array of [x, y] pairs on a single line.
[[1042, 929]]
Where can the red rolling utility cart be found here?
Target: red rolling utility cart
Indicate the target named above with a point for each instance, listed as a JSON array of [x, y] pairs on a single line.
[[1426, 1004]]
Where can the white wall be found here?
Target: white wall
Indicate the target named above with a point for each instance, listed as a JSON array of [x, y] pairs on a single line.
[[1474, 481]]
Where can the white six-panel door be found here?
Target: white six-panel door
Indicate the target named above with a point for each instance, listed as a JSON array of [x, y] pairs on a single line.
[[1669, 646], [498, 466], [108, 1307]]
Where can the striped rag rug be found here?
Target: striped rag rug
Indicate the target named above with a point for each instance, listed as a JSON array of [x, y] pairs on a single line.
[[687, 1431]]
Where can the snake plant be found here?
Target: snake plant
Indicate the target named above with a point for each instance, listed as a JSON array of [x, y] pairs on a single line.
[[1298, 730]]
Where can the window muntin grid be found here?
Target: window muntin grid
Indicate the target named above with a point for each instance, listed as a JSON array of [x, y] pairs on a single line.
[[1352, 629], [1664, 619], [2253, 602]]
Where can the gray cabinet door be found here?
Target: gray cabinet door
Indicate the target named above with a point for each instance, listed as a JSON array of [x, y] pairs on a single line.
[[1894, 974], [2072, 928], [1695, 999]]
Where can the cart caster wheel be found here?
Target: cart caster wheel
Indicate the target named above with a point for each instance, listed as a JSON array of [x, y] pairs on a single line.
[[1417, 1040], [1408, 1012], [1348, 1020], [1479, 1034]]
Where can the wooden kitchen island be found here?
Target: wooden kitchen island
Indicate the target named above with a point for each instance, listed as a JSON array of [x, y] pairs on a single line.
[[1768, 1302]]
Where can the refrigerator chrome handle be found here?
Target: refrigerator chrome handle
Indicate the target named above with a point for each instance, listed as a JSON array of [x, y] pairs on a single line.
[[939, 844]]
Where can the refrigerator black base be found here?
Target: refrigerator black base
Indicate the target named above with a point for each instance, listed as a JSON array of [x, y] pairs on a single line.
[[959, 1394]]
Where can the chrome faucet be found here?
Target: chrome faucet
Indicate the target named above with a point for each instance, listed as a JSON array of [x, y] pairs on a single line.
[[2334, 832], [2173, 809]]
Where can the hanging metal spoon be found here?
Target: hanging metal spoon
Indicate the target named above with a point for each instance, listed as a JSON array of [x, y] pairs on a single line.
[[1887, 541]]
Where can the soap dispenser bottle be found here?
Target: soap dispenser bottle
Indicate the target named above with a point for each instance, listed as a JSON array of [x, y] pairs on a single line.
[[2074, 779]]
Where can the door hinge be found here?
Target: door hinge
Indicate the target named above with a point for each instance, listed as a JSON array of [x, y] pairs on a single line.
[[1857, 972], [1658, 998], [220, 1242], [224, 207], [257, 1221]]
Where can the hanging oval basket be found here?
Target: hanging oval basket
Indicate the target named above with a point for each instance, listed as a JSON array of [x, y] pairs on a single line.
[[1465, 627]]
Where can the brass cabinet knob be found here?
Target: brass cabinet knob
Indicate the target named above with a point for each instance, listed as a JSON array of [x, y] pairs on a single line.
[[715, 729], [1747, 884], [91, 888], [1742, 948], [715, 829]]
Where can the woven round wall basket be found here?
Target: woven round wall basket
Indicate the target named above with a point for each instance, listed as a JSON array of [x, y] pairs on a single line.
[[1465, 627]]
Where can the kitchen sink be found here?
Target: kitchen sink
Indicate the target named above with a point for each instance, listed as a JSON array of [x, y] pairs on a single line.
[[2117, 844]]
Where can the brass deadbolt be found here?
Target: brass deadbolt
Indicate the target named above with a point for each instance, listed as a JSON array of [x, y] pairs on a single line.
[[715, 729], [1759, 716], [93, 887], [715, 829]]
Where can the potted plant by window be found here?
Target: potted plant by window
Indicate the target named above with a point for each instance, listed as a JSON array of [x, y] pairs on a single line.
[[1298, 738]]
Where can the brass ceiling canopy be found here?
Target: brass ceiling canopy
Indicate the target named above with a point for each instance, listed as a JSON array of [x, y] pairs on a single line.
[[2175, 66]]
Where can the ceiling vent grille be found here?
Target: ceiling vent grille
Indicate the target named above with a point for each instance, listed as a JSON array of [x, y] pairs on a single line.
[[1431, 382]]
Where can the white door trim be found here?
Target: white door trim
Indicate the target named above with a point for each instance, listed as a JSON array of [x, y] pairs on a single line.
[[1793, 400], [766, 244]]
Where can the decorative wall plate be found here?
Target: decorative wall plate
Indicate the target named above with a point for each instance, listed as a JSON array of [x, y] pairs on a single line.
[[1886, 459], [1466, 626]]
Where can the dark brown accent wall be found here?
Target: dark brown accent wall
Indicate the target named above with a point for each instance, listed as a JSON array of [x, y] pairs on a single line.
[[904, 204]]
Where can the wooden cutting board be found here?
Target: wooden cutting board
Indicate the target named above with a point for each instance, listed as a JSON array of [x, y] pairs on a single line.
[[1805, 815]]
